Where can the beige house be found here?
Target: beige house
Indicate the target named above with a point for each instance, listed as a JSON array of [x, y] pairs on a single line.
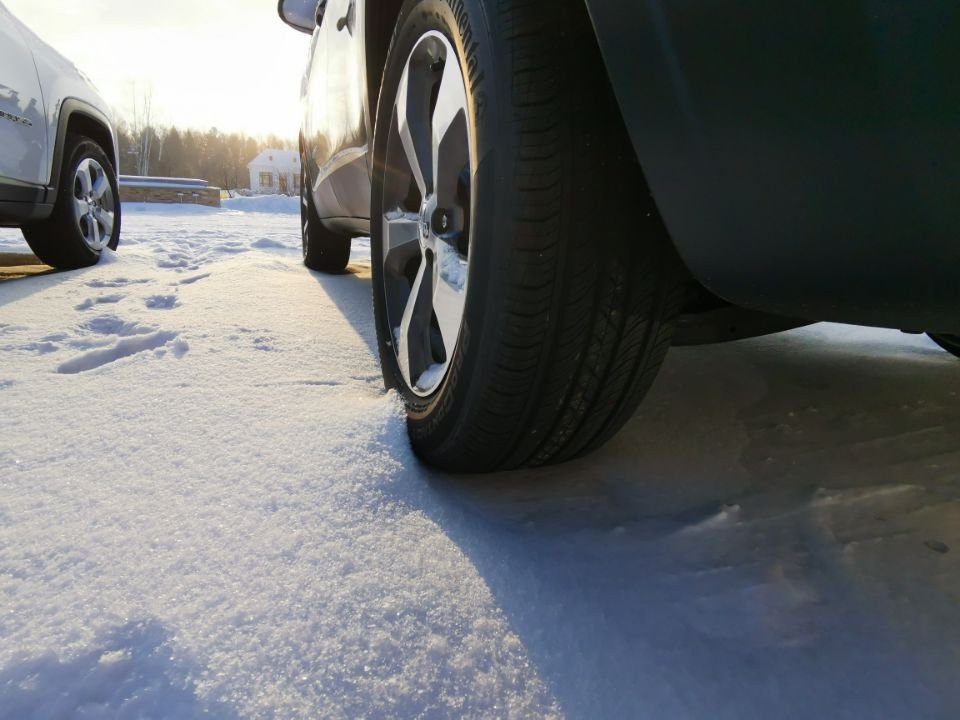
[[275, 172]]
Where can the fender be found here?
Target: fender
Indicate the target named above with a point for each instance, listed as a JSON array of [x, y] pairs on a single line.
[[71, 109], [804, 157]]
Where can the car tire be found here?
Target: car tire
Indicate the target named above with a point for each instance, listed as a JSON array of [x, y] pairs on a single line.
[[86, 216], [323, 250], [551, 249], [950, 343]]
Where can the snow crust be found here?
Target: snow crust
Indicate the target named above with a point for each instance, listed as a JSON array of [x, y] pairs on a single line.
[[208, 507]]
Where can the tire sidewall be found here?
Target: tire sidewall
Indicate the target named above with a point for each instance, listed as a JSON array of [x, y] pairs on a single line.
[[305, 209], [432, 420], [322, 250]]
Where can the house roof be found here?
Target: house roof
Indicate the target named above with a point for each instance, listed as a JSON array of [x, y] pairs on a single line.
[[276, 158]]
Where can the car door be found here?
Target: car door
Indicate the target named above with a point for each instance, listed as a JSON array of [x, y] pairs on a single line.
[[336, 116], [23, 136]]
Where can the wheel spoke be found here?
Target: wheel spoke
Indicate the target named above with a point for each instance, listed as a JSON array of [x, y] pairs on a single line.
[[449, 294], [106, 222], [94, 232], [401, 240], [81, 206], [100, 186], [412, 112], [83, 175], [449, 143], [413, 343]]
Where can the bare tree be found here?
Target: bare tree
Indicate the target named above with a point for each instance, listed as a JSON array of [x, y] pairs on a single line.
[[142, 126]]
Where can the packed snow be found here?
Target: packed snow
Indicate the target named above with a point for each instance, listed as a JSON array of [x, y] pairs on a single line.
[[208, 507]]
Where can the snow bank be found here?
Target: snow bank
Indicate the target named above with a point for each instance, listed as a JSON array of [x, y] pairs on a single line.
[[140, 208], [269, 204], [264, 204]]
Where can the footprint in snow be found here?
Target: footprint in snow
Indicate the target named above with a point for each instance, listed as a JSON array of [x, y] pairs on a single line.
[[112, 325], [161, 302], [191, 280], [263, 343], [102, 300], [41, 348], [268, 244], [176, 260], [115, 283]]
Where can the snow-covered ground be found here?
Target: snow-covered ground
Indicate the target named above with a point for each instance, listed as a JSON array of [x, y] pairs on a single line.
[[208, 508]]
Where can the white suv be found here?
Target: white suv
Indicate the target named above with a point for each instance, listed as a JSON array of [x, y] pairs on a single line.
[[58, 152]]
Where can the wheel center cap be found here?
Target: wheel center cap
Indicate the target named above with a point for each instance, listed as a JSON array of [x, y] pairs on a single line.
[[427, 208], [424, 221]]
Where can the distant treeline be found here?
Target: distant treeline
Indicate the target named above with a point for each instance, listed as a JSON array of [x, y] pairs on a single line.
[[219, 158]]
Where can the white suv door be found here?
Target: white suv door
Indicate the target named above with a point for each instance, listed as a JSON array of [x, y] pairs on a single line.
[[23, 132]]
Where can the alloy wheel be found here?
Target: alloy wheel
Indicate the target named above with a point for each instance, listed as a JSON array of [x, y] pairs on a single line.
[[426, 213], [93, 204]]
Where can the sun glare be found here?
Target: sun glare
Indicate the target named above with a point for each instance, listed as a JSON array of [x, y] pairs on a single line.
[[229, 64]]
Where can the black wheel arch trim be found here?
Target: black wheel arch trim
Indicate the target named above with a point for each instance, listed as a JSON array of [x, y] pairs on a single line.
[[70, 109]]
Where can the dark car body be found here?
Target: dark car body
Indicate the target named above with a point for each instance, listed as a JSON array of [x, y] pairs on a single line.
[[805, 158]]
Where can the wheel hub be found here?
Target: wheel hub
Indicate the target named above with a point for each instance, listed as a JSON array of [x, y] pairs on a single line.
[[427, 209]]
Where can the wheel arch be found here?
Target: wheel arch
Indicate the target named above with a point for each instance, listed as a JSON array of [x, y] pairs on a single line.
[[80, 118], [380, 21]]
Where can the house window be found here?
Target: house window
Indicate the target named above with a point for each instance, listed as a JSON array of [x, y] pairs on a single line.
[[266, 179]]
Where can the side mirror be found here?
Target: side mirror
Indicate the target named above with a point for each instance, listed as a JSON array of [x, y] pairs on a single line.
[[302, 15]]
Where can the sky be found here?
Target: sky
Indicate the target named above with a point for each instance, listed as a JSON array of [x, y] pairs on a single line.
[[229, 64]]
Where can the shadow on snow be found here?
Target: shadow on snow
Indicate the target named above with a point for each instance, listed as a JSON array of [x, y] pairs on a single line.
[[132, 673], [708, 562]]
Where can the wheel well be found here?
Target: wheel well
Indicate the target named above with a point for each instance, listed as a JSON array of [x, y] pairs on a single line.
[[381, 19], [80, 124]]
